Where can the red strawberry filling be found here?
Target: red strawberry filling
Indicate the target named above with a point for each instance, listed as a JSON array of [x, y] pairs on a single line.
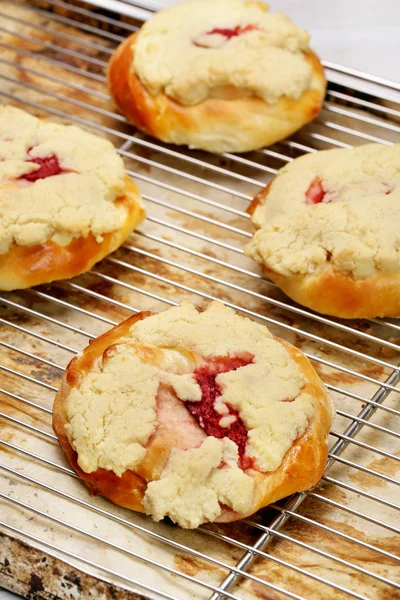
[[228, 32], [205, 413], [232, 32], [315, 193], [48, 166]]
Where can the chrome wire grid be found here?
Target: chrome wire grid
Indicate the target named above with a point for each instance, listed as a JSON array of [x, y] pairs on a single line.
[[335, 541]]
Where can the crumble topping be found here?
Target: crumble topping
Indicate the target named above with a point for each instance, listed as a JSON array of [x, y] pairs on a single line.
[[57, 182], [192, 486], [197, 46], [335, 207], [112, 415]]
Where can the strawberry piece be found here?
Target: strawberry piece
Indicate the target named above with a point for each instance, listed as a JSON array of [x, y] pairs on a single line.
[[228, 32], [49, 166], [206, 415], [315, 193], [232, 32]]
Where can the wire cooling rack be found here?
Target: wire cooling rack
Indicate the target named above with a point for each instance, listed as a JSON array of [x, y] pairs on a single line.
[[335, 541]]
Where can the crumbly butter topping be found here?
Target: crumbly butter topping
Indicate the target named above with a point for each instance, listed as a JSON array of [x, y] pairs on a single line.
[[185, 386], [353, 229], [177, 53], [192, 486], [113, 413], [256, 390], [74, 203]]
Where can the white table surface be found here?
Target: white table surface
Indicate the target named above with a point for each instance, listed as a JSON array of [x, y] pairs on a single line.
[[362, 34]]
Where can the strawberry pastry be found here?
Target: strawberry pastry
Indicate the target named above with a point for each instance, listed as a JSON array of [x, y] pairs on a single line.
[[220, 75], [198, 416], [65, 201], [328, 231]]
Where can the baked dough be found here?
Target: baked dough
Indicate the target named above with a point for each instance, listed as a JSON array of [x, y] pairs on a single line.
[[328, 231], [65, 201], [219, 75], [198, 416]]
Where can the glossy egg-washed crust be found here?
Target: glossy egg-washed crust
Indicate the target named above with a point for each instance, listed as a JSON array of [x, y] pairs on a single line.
[[301, 468], [27, 266], [244, 123], [338, 293]]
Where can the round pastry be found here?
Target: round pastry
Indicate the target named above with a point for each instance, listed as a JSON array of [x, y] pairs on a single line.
[[328, 231], [198, 416], [219, 75], [65, 201]]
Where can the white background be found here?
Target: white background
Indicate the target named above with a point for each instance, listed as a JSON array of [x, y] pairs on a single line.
[[362, 34]]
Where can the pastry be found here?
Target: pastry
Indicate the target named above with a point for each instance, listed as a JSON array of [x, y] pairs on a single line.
[[328, 231], [198, 416], [219, 75], [65, 201]]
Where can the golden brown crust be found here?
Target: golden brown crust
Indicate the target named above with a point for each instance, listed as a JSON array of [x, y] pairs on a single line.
[[341, 295], [27, 266], [258, 199], [213, 124], [300, 469], [336, 293]]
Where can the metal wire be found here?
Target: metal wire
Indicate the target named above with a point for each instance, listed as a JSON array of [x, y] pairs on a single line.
[[165, 260]]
